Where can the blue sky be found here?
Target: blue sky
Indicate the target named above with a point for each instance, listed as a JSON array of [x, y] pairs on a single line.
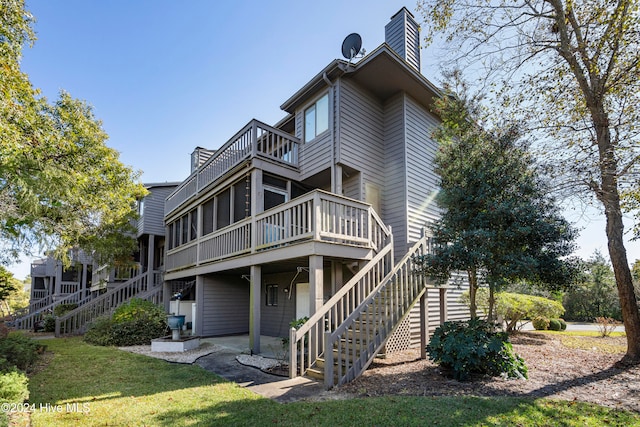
[[167, 76]]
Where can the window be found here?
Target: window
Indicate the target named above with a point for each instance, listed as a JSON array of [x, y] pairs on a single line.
[[194, 224], [316, 118], [241, 201], [207, 217], [272, 295], [185, 229], [170, 244], [223, 209]]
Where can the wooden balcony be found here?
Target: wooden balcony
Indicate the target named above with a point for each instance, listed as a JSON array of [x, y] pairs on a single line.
[[256, 139], [317, 216]]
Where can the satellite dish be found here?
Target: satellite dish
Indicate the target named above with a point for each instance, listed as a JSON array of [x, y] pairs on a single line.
[[351, 46]]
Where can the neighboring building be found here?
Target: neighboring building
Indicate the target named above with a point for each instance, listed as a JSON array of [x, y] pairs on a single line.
[[314, 217], [98, 289]]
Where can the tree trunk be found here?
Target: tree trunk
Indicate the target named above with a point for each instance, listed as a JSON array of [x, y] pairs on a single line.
[[609, 195], [624, 282], [473, 288]]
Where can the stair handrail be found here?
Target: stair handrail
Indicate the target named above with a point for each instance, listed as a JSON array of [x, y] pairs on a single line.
[[381, 318], [75, 320], [306, 342], [28, 321]]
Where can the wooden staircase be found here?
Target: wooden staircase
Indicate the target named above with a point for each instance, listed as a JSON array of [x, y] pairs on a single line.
[[357, 337], [28, 321], [145, 285]]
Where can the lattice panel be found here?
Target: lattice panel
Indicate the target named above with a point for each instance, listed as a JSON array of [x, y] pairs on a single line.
[[401, 338]]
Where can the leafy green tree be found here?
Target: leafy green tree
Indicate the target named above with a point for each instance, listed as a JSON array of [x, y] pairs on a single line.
[[569, 72], [596, 295], [60, 185], [9, 286], [497, 223]]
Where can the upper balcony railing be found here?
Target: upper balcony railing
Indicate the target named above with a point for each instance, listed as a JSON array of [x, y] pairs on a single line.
[[256, 139], [316, 216]]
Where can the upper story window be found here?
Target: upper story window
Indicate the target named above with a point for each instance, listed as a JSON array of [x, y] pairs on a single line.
[[316, 118]]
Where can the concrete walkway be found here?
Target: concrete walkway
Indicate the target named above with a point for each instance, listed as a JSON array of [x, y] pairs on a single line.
[[224, 362]]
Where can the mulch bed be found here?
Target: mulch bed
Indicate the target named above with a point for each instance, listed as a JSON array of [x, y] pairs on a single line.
[[555, 371]]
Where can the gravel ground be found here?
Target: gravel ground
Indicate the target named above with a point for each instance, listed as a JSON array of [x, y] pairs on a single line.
[[555, 371]]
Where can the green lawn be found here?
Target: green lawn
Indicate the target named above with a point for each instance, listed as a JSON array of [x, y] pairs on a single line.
[[109, 387]]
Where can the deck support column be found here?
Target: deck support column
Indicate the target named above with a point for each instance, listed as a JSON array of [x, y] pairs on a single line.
[[424, 324], [443, 305], [254, 308], [151, 248], [316, 291], [198, 322]]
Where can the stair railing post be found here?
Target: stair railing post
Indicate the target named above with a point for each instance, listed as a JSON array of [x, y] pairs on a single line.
[[293, 354], [328, 361]]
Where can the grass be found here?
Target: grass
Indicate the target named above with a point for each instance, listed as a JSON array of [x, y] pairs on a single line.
[[592, 340], [109, 387]]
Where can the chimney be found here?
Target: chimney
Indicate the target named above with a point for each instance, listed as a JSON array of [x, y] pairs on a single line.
[[402, 34], [199, 156]]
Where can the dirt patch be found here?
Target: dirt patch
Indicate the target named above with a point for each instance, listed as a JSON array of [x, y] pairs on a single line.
[[555, 371]]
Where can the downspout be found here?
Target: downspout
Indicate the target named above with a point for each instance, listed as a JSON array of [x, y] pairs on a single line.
[[332, 120]]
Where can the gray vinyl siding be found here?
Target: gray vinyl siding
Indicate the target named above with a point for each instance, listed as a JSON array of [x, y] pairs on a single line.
[[274, 320], [361, 125], [394, 207], [422, 181], [225, 306], [152, 219], [351, 187], [315, 155]]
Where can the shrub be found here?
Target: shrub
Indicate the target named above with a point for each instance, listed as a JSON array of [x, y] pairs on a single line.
[[606, 325], [20, 351], [138, 308], [62, 309], [540, 323], [13, 387], [49, 323], [470, 347], [554, 325], [134, 323], [136, 332], [99, 332], [563, 324]]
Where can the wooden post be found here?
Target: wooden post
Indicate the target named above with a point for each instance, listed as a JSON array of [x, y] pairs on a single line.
[[424, 324], [443, 305], [328, 361], [255, 292]]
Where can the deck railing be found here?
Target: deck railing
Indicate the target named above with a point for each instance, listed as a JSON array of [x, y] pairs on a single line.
[[256, 139], [305, 344], [318, 216], [77, 320]]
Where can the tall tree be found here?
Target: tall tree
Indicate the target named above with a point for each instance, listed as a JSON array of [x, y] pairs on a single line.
[[60, 185], [498, 224], [570, 71]]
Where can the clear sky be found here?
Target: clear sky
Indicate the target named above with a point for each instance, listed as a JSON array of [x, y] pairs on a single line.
[[167, 76]]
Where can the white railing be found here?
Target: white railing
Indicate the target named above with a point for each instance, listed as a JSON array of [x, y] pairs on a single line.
[[305, 344], [256, 139], [67, 288], [28, 321], [318, 216], [77, 320], [358, 339], [39, 294]]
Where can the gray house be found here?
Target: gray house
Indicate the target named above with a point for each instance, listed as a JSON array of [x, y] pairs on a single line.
[[318, 217]]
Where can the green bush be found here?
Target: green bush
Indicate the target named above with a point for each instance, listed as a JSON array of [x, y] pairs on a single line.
[[134, 323], [138, 308], [62, 309], [471, 347], [100, 332], [563, 324], [555, 325], [540, 323], [49, 323], [19, 350], [13, 387]]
